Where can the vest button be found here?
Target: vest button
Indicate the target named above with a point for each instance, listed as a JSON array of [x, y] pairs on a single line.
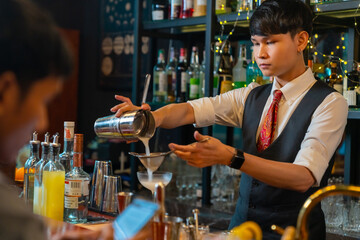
[[255, 183]]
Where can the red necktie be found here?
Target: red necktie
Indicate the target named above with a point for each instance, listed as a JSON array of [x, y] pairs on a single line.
[[268, 129]]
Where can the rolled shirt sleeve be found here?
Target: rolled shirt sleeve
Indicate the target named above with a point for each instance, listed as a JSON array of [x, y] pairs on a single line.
[[323, 135]]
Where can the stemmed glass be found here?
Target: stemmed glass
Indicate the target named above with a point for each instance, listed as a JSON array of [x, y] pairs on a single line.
[[149, 181]]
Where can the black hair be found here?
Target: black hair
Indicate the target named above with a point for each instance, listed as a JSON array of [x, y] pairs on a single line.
[[281, 17], [30, 44]]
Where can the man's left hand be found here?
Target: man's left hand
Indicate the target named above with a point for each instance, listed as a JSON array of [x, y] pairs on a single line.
[[204, 154]]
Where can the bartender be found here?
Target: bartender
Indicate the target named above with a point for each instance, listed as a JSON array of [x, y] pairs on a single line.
[[291, 128]]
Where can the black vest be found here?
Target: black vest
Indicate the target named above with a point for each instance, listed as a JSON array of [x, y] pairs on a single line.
[[263, 203]]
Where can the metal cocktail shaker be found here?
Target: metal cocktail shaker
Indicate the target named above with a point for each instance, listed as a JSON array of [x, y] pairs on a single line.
[[129, 126]]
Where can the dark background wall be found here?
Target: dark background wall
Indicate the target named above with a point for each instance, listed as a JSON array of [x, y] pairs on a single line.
[[93, 101]]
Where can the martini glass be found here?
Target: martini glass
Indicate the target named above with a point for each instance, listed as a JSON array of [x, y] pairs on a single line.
[[149, 181]]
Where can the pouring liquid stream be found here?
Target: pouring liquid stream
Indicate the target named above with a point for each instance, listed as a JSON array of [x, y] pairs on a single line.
[[145, 141]]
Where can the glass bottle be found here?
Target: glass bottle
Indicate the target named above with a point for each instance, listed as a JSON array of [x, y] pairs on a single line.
[[77, 187], [181, 77], [174, 9], [45, 145], [54, 183], [334, 80], [222, 6], [202, 77], [171, 76], [187, 8], [29, 170], [239, 70], [159, 10], [194, 74], [199, 8], [160, 79], [253, 72], [353, 82], [245, 5], [216, 86], [67, 154], [225, 69]]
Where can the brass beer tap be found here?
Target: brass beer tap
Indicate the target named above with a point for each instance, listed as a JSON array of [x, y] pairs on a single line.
[[301, 231]]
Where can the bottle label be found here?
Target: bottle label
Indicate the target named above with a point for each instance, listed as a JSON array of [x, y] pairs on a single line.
[[194, 88], [220, 4], [183, 81], [189, 4], [162, 82], [226, 86], [69, 133], [176, 2], [173, 80], [201, 2], [76, 188], [71, 202], [157, 15], [199, 193], [86, 187], [350, 97]]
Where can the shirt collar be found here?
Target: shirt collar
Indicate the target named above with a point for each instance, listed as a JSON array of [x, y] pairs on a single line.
[[293, 89]]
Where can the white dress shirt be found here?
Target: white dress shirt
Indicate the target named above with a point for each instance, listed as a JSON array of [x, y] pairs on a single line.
[[322, 136]]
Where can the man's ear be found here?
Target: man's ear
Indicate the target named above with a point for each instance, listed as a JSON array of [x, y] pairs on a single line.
[[303, 38], [8, 84]]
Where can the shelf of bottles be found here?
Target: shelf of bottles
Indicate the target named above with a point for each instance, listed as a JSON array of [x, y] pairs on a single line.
[[184, 13], [332, 6], [179, 81]]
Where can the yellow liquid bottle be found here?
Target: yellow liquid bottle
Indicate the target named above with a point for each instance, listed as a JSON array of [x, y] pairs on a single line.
[[53, 184], [37, 203]]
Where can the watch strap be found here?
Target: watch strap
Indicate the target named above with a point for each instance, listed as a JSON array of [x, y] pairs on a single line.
[[237, 160]]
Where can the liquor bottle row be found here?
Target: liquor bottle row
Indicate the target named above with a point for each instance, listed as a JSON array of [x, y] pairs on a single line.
[[347, 84], [173, 9], [178, 81], [55, 185]]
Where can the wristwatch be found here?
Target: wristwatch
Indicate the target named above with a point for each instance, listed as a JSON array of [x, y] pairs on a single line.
[[237, 160]]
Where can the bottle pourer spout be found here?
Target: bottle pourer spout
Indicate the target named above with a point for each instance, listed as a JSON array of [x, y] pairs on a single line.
[[47, 137], [55, 142], [35, 136]]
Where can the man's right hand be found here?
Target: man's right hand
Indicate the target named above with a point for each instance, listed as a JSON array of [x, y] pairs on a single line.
[[126, 106]]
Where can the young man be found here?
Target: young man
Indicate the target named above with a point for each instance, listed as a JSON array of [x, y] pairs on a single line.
[[291, 128], [34, 60]]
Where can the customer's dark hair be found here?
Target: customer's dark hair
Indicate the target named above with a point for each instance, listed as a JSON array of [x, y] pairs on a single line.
[[30, 43], [281, 17]]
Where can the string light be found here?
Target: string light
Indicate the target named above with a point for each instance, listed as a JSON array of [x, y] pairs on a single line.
[[222, 40], [332, 57]]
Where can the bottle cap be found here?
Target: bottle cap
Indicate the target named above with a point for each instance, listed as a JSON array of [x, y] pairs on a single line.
[[69, 124], [78, 142]]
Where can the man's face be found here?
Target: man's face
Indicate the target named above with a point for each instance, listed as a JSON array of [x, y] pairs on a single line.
[[22, 115], [276, 55]]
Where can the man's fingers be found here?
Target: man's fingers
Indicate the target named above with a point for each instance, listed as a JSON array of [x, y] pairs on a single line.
[[145, 106], [183, 155], [123, 109], [183, 148], [122, 98], [117, 107]]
